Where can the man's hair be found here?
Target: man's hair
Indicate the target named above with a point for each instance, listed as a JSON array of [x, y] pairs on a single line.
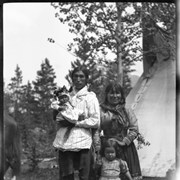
[[80, 68]]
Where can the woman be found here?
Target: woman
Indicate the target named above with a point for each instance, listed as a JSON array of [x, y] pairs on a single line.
[[120, 124], [75, 152]]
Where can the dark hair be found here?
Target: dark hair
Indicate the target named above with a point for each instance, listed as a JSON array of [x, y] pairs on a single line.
[[81, 68], [110, 143], [114, 88], [60, 90]]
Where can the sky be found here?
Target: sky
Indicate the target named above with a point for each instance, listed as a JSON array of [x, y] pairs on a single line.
[[26, 28]]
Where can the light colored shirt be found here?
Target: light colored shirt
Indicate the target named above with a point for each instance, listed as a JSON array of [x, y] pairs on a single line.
[[80, 136]]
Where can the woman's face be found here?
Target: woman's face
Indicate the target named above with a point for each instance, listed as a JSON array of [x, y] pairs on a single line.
[[79, 80], [113, 98], [110, 153]]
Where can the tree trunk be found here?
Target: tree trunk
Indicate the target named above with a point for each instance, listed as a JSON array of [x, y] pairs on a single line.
[[119, 43]]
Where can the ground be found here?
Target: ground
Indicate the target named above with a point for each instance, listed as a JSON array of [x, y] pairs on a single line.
[[52, 174], [49, 171]]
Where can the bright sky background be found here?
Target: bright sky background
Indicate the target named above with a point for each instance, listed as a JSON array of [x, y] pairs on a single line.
[[26, 28]]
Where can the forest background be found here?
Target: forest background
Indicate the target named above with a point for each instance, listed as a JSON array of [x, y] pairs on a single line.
[[100, 29]]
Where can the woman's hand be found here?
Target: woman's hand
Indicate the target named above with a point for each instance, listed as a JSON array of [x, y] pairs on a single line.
[[121, 143]]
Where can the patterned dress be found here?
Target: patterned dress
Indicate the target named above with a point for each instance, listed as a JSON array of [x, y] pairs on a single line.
[[110, 170], [121, 123]]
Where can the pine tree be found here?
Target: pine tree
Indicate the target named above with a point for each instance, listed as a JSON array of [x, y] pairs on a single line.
[[28, 108], [43, 87], [15, 91], [45, 128]]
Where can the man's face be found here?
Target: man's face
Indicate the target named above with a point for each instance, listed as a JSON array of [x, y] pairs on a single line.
[[79, 80]]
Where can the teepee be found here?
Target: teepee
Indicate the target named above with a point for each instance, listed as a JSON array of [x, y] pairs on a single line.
[[153, 101]]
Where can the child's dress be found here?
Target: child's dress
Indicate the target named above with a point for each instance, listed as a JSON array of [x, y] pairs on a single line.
[[70, 113], [110, 170]]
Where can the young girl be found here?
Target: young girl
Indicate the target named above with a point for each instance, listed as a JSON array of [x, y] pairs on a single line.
[[110, 166]]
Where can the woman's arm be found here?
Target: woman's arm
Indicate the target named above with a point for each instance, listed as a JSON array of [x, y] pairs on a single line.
[[133, 127], [106, 118]]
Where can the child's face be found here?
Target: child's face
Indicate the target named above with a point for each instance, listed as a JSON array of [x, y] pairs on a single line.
[[110, 153], [63, 99]]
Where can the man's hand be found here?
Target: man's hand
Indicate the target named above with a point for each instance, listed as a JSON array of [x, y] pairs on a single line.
[[81, 117]]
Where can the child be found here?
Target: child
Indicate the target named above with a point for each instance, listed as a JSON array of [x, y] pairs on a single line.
[[63, 105], [110, 166], [66, 115]]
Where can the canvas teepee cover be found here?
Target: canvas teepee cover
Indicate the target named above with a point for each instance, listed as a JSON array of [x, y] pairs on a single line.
[[153, 101]]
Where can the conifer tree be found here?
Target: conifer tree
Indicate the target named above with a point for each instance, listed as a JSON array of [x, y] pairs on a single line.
[[15, 89], [43, 88]]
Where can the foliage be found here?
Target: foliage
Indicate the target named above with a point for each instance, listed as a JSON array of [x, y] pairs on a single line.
[[15, 89], [26, 104], [43, 87], [42, 92], [38, 146], [97, 38], [7, 100], [95, 46], [97, 23], [141, 141], [107, 34], [164, 13]]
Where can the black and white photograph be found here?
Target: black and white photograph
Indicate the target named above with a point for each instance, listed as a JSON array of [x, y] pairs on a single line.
[[89, 91]]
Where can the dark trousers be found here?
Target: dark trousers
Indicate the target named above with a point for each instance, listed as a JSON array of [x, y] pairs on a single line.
[[70, 161]]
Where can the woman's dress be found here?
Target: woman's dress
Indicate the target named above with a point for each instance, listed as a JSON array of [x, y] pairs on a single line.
[[121, 123]]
